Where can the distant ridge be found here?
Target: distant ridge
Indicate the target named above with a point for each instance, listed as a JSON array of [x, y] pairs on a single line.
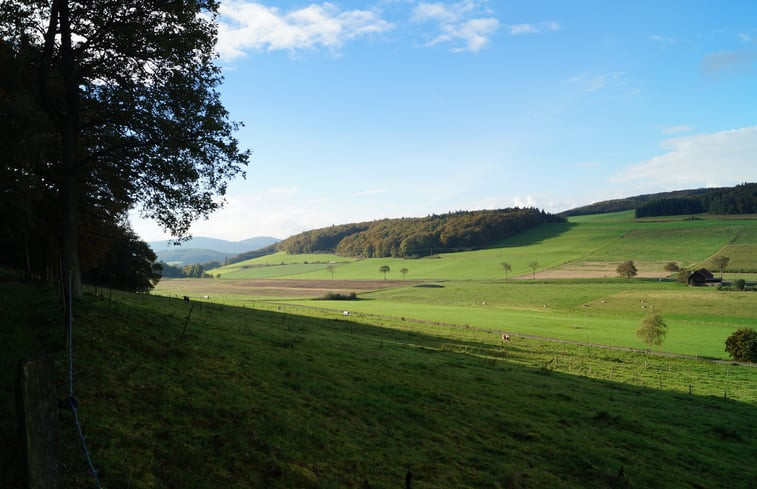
[[630, 203], [201, 249]]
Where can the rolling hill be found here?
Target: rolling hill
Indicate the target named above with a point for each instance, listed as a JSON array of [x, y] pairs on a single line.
[[203, 250]]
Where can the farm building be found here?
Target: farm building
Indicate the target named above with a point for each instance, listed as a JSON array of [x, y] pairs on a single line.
[[703, 277]]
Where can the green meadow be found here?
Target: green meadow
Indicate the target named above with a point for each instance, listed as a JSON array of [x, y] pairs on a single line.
[[204, 395], [573, 294]]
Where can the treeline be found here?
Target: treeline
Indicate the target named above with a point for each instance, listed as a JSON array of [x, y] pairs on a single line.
[[741, 199], [629, 203], [416, 237], [196, 270]]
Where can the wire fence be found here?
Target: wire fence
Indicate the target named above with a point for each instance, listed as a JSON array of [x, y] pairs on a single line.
[[71, 402]]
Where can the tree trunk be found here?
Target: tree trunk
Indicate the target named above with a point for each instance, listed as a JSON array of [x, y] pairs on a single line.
[[70, 135]]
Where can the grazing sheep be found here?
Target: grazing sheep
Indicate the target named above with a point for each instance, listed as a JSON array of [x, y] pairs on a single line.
[[346, 313]]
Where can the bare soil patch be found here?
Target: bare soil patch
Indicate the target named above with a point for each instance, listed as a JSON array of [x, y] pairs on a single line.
[[275, 287]]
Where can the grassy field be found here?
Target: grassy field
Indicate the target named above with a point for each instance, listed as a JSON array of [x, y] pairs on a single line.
[[606, 239], [268, 398]]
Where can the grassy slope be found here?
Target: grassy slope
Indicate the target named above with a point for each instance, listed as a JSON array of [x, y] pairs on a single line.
[[250, 398], [605, 312], [607, 237]]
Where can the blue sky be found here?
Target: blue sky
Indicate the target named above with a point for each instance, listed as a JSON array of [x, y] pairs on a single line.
[[357, 111]]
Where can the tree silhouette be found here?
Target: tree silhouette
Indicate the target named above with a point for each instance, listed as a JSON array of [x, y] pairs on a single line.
[[627, 269], [330, 269], [384, 269], [721, 262], [403, 271], [534, 265], [507, 268]]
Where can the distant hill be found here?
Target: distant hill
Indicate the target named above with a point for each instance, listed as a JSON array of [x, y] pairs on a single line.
[[630, 203], [203, 250], [740, 199], [419, 236]]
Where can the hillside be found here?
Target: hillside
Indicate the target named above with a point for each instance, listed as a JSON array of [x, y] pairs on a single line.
[[415, 237], [203, 250], [583, 247], [263, 398], [740, 199]]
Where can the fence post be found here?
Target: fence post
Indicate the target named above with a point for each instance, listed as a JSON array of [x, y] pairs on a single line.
[[37, 413]]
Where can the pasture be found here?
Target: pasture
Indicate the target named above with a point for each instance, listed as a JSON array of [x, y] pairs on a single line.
[[269, 398], [591, 305]]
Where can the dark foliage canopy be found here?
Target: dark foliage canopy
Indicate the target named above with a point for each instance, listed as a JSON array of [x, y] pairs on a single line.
[[416, 237], [109, 106], [741, 199], [742, 345]]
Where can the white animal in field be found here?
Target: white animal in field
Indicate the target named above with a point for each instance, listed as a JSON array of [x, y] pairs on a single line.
[[505, 337], [346, 313]]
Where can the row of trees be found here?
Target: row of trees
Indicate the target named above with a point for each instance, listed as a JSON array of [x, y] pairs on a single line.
[[741, 199], [415, 237], [107, 106]]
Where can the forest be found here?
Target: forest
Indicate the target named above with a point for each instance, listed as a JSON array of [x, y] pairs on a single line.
[[741, 199], [417, 237]]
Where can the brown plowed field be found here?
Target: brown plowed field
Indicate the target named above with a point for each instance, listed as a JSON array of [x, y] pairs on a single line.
[[274, 287]]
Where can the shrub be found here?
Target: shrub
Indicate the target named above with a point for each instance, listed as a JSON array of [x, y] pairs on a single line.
[[740, 284], [742, 345]]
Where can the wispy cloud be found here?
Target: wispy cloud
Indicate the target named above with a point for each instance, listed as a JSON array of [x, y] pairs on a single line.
[[715, 159], [729, 63], [662, 39], [250, 26], [743, 37], [520, 29], [465, 26], [593, 83]]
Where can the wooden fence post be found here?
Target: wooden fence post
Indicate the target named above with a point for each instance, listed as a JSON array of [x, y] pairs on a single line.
[[37, 413]]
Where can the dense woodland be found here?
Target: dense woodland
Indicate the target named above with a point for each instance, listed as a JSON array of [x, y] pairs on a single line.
[[84, 140], [741, 199], [415, 237]]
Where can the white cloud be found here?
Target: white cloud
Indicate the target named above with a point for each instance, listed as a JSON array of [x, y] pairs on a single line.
[[464, 25], [249, 26], [716, 159], [519, 29], [744, 37]]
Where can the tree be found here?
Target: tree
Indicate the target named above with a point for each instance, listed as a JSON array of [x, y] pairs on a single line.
[[740, 284], [330, 269], [672, 267], [627, 269], [507, 267], [404, 271], [720, 263], [384, 269], [742, 345], [652, 330], [534, 265], [130, 89]]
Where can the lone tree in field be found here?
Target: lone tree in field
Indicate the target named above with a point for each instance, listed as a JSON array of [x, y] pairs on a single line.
[[534, 265], [742, 345], [672, 267], [507, 267], [404, 271], [720, 263], [129, 92], [384, 269], [627, 269], [652, 330], [330, 269]]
